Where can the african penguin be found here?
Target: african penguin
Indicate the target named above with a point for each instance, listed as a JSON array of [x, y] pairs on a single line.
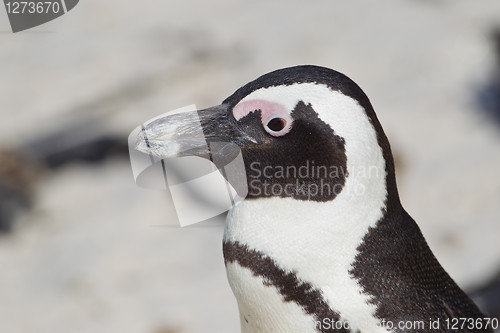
[[321, 242]]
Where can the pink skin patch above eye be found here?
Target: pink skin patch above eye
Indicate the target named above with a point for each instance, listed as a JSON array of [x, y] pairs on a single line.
[[269, 110]]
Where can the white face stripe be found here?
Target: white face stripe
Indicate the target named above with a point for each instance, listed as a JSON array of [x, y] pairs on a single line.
[[318, 240]]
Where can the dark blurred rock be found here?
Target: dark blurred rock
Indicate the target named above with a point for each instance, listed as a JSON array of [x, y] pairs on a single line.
[[82, 140], [17, 177], [90, 152], [19, 170], [489, 93]]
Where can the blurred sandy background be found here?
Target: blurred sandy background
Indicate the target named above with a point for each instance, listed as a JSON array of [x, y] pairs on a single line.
[[82, 247]]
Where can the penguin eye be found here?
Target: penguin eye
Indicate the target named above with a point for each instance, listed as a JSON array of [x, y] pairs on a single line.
[[276, 119], [276, 124]]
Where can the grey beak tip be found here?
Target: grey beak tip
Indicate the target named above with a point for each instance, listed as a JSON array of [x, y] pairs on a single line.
[[141, 142]]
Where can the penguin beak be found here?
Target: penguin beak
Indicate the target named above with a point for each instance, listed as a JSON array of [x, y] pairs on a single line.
[[195, 133]]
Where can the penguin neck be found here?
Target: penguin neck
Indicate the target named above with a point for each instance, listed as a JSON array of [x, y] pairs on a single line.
[[295, 229], [316, 241]]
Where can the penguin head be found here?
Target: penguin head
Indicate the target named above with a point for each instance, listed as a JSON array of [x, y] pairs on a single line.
[[303, 132]]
